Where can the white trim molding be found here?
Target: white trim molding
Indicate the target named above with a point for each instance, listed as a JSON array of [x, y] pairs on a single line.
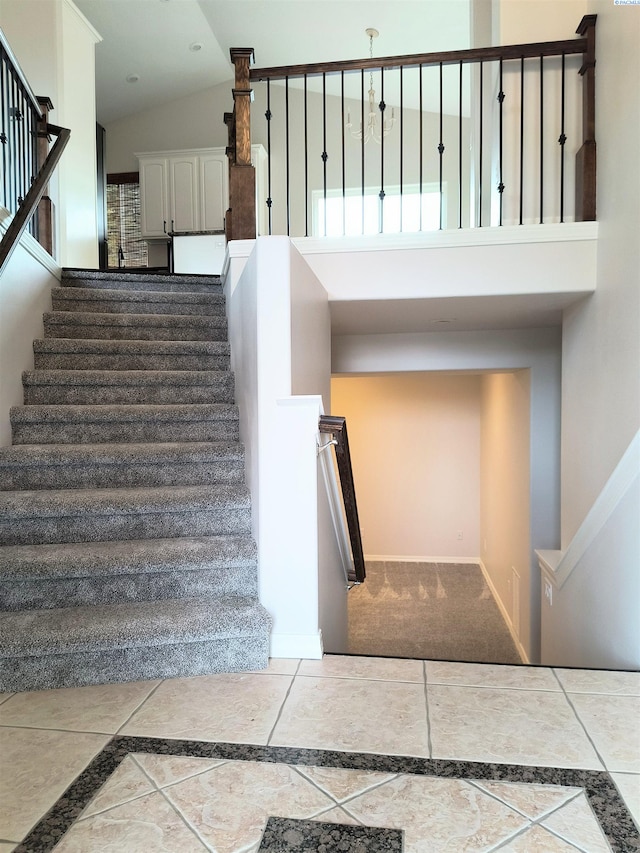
[[505, 614], [31, 245], [308, 646], [394, 558], [557, 566]]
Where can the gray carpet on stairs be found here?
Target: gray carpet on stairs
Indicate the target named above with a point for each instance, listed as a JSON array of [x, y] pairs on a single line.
[[432, 611], [125, 547]]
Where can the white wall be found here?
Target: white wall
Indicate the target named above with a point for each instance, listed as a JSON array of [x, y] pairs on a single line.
[[505, 494], [415, 448], [194, 121], [601, 338], [55, 46], [593, 619], [280, 342], [25, 294]]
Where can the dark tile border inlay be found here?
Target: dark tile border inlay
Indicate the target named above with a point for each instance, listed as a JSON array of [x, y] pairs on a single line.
[[286, 835], [609, 808]]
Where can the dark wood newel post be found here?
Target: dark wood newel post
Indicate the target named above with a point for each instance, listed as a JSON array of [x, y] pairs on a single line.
[[241, 216], [586, 156], [46, 210]]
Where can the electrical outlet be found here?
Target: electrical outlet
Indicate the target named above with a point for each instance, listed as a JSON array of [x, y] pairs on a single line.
[[548, 592]]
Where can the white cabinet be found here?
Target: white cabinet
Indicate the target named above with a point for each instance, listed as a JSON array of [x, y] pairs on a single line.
[[188, 191], [183, 191], [154, 207], [184, 194]]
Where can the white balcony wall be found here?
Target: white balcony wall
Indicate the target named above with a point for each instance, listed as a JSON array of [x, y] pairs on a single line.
[[279, 330]]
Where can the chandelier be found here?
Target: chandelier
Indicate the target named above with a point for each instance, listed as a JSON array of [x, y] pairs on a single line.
[[372, 130]]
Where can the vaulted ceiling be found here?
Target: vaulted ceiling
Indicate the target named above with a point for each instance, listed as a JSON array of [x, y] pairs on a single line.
[[179, 47]]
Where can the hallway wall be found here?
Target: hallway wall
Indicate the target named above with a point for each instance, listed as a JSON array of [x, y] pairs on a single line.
[[415, 445], [505, 502]]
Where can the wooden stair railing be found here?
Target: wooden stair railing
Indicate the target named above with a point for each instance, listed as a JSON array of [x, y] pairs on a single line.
[[241, 216], [26, 163], [34, 194], [337, 427]]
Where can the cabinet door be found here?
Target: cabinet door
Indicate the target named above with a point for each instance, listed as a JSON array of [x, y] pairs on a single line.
[[153, 197], [184, 194], [214, 192]]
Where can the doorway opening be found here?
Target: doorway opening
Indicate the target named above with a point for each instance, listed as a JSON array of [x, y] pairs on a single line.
[[442, 468]]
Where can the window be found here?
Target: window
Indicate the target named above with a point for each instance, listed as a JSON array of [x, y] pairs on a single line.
[[357, 214], [124, 239]]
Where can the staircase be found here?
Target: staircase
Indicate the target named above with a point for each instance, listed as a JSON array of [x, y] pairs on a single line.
[[125, 547]]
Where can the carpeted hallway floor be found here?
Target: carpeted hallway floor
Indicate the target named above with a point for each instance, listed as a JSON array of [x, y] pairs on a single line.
[[439, 611]]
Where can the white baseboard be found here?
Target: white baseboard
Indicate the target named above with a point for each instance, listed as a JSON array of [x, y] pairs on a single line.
[[505, 614], [392, 558], [307, 646]]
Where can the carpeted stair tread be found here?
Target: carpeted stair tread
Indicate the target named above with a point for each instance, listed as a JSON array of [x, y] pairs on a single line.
[[125, 522], [72, 424], [143, 280], [122, 557], [97, 300], [122, 386], [44, 503], [64, 466], [97, 515], [129, 625], [72, 324], [97, 354]]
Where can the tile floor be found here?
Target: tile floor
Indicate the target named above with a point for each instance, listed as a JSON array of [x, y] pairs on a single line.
[[459, 757]]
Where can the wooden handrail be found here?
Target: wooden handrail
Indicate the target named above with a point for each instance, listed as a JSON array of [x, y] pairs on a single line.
[[34, 194], [337, 426], [449, 57]]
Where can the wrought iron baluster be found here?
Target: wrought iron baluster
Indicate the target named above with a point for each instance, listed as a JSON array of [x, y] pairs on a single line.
[[441, 147], [480, 146], [562, 140], [401, 139], [306, 162], [362, 140], [521, 137], [460, 150], [287, 164], [344, 176], [325, 156], [501, 183], [268, 117], [541, 141], [421, 119], [381, 194]]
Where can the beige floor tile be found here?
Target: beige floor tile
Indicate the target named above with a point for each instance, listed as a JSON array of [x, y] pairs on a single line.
[[612, 724], [437, 814], [529, 799], [37, 766], [147, 825], [234, 707], [4, 697], [229, 806], [126, 783], [490, 675], [629, 786], [337, 815], [577, 824], [343, 784], [7, 847], [537, 840], [600, 681], [379, 669], [507, 726], [354, 715], [168, 769], [99, 708], [281, 666]]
